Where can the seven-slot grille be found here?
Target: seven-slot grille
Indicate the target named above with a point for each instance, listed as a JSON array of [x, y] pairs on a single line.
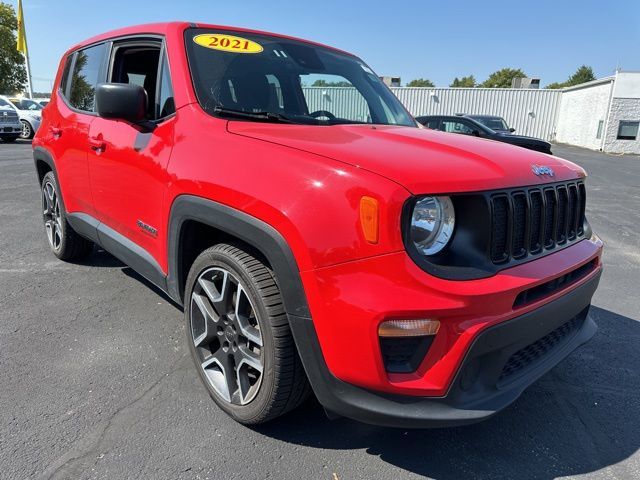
[[531, 220]]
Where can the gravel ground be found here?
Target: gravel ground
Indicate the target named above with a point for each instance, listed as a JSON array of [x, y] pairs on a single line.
[[96, 380]]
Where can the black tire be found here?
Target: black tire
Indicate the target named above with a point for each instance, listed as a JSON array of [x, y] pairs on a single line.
[[10, 139], [284, 385], [67, 244], [27, 130]]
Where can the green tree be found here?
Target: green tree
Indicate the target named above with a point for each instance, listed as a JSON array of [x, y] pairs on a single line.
[[464, 82], [13, 75], [582, 75], [421, 82], [502, 78]]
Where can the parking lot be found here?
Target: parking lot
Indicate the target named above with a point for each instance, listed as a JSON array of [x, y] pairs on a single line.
[[96, 379]]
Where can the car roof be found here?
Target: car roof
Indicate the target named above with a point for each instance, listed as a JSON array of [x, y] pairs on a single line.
[[448, 117], [484, 116], [166, 28]]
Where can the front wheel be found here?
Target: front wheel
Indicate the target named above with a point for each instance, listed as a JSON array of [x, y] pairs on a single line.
[[239, 336], [27, 130]]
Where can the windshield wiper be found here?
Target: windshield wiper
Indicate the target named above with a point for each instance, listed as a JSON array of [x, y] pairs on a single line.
[[261, 116]]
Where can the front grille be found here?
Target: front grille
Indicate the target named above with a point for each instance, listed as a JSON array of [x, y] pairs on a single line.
[[529, 355], [529, 221], [11, 117]]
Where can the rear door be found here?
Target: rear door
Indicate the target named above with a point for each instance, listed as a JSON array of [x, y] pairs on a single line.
[[67, 125], [128, 162]]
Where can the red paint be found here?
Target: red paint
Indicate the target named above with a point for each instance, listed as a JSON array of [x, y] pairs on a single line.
[[307, 183]]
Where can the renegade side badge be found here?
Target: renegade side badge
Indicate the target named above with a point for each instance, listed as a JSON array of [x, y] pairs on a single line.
[[147, 228]]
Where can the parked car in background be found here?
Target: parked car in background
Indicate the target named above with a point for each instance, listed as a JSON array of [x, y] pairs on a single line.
[[10, 126], [42, 101], [469, 126], [30, 113], [495, 123]]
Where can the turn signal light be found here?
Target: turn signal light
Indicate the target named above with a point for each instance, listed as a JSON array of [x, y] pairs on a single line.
[[369, 218], [408, 328]]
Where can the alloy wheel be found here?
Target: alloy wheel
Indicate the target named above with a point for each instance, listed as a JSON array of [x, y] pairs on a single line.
[[226, 335], [51, 214], [26, 130]]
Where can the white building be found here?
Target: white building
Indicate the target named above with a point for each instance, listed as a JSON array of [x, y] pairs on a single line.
[[602, 115]]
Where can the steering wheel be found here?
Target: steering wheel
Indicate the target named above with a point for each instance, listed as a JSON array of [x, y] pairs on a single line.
[[323, 113]]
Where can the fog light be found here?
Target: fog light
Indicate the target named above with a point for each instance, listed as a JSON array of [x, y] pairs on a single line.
[[408, 328], [404, 343]]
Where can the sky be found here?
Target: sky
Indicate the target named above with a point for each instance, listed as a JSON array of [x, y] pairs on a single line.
[[438, 40]]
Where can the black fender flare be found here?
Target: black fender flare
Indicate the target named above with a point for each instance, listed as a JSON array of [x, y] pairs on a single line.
[[256, 233], [41, 154]]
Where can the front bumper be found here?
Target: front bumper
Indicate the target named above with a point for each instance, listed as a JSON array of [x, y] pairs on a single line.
[[501, 362], [10, 129]]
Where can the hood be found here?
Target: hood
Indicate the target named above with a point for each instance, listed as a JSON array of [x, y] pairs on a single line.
[[422, 160]]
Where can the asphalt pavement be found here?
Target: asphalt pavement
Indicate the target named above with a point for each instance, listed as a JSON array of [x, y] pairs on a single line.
[[96, 379]]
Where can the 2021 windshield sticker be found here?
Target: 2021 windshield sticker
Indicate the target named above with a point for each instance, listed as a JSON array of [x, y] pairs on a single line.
[[227, 43]]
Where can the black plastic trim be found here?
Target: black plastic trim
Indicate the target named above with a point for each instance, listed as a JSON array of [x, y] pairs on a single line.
[[119, 246], [41, 154], [474, 394], [251, 230]]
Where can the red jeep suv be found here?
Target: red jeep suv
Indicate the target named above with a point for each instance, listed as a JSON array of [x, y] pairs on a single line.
[[317, 237]]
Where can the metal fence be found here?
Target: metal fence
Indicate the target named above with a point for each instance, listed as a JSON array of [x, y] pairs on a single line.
[[531, 112]]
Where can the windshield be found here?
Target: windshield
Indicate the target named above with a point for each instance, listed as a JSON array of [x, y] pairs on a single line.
[[26, 104], [494, 123], [264, 78]]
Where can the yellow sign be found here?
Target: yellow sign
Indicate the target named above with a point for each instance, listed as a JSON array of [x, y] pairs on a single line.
[[227, 43]]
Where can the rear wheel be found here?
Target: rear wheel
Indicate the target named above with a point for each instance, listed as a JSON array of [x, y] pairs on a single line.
[[239, 336], [65, 243]]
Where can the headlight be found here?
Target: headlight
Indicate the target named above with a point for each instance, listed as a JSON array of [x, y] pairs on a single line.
[[432, 224]]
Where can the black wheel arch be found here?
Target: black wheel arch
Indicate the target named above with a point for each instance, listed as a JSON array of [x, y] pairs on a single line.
[[44, 163], [230, 223]]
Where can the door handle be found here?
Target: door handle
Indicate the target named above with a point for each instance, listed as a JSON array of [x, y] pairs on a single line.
[[56, 132], [97, 144]]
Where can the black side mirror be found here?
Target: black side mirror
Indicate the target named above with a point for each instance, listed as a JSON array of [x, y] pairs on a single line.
[[512, 129], [122, 101]]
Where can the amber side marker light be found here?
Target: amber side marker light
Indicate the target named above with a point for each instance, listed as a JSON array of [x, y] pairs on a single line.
[[369, 218]]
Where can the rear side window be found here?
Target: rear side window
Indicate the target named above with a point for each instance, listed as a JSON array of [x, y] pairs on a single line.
[[433, 124], [86, 75], [453, 126]]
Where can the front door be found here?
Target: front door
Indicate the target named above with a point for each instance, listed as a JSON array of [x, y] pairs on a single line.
[[128, 162]]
